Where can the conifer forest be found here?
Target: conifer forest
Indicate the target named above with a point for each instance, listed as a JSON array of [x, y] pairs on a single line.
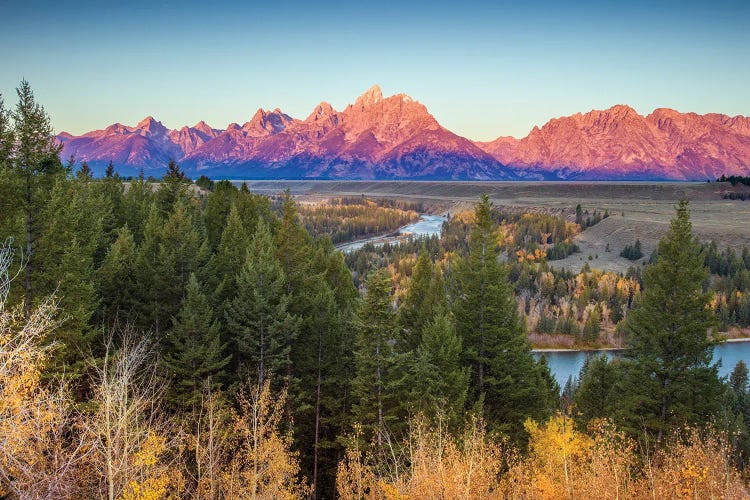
[[162, 338]]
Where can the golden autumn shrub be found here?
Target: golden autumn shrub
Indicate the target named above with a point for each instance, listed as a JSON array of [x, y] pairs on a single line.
[[39, 446]]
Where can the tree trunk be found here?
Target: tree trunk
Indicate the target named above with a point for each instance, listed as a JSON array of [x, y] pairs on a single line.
[[29, 247], [317, 418]]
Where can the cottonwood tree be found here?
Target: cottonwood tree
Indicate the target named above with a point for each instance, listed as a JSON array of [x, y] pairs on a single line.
[[264, 465], [131, 438], [40, 448]]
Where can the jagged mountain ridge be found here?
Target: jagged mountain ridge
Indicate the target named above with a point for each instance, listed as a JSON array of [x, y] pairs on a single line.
[[618, 143], [396, 137]]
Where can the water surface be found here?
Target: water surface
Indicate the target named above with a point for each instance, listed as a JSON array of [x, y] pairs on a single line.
[[564, 364], [427, 225]]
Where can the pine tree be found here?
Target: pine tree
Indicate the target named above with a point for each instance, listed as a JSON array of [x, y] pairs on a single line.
[[326, 370], [597, 393], [259, 316], [374, 359], [440, 382], [137, 207], [112, 189], [195, 358], [293, 249], [116, 280], [8, 202], [592, 327], [219, 203], [173, 189], [228, 259], [34, 169], [110, 172], [416, 310], [171, 252], [506, 379], [670, 379], [70, 238], [147, 266]]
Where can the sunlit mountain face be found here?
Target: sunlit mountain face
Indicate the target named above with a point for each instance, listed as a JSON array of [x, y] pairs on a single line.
[[396, 137]]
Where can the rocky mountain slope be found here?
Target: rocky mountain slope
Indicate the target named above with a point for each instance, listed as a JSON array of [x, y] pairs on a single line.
[[396, 137]]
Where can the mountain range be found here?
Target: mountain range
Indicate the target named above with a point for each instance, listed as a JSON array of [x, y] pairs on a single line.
[[396, 137]]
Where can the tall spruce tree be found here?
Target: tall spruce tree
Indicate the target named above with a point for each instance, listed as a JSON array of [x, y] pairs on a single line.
[[507, 382], [8, 198], [597, 395], [439, 380], [228, 260], [70, 237], [326, 369], [670, 379], [374, 359], [195, 357], [218, 205], [137, 207], [416, 309], [116, 280], [258, 315], [35, 167]]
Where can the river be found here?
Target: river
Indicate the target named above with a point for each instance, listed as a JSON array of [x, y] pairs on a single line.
[[564, 364], [427, 225]]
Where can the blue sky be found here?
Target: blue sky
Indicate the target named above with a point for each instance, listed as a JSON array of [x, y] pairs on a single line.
[[483, 69]]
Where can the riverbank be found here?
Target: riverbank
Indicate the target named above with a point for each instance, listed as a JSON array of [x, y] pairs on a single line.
[[427, 225], [614, 349]]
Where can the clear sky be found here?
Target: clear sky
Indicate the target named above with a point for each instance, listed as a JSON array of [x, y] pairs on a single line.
[[483, 69]]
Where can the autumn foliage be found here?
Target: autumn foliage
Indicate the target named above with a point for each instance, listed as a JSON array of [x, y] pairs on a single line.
[[562, 462]]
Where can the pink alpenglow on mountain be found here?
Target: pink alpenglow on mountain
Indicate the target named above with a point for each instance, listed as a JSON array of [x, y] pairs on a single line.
[[618, 143], [396, 137]]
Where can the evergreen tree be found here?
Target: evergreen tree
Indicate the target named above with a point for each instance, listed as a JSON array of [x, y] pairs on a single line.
[[440, 382], [112, 190], [325, 372], [110, 172], [228, 259], [218, 205], [597, 393], [116, 280], [147, 267], [70, 238], [137, 207], [416, 310], [259, 316], [670, 379], [173, 189], [195, 357], [374, 359], [181, 251], [34, 168], [8, 198], [293, 250], [506, 379], [592, 327], [737, 411]]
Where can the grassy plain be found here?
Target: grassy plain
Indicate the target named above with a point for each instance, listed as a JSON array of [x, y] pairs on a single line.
[[639, 210]]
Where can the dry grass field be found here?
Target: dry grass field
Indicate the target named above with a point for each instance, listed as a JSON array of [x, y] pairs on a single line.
[[639, 210]]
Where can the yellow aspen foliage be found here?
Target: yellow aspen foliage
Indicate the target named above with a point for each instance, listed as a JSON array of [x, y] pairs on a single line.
[[39, 446], [556, 452], [435, 464], [698, 467], [354, 478], [263, 466]]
